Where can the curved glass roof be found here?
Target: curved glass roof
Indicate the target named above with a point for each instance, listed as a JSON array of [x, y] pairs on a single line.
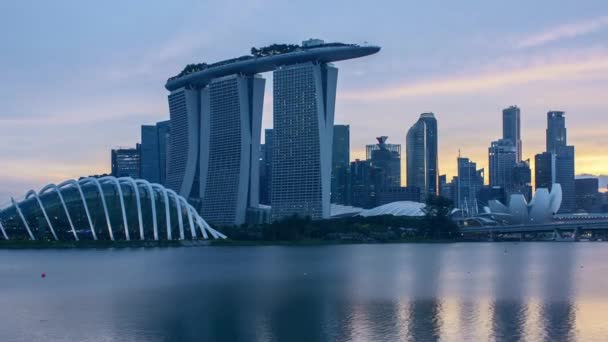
[[401, 208], [106, 208]]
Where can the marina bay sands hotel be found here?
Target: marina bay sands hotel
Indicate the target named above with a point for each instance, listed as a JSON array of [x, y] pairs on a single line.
[[216, 123]]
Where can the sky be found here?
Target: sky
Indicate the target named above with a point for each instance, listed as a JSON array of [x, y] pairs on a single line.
[[81, 77]]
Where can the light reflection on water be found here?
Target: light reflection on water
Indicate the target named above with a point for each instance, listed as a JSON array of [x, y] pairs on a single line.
[[422, 292]]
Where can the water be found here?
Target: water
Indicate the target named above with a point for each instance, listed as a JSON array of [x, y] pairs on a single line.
[[451, 292]]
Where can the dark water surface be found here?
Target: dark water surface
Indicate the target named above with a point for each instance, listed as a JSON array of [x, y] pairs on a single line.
[[451, 292]]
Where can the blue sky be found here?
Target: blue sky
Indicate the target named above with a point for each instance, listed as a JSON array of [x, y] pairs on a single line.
[[80, 77]]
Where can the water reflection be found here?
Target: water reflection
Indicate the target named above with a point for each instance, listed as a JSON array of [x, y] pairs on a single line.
[[509, 310], [558, 309], [425, 309], [510, 292]]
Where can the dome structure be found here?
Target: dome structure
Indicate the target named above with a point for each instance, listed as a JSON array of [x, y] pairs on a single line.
[[402, 208], [106, 208], [339, 210], [541, 208]]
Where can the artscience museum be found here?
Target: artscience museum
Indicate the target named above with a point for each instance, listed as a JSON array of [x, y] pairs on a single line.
[[106, 208], [540, 210]]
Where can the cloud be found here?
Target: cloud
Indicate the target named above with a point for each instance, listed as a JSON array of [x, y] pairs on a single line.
[[564, 32], [484, 81]]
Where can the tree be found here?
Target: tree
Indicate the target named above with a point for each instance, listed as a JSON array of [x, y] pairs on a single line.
[[437, 218]]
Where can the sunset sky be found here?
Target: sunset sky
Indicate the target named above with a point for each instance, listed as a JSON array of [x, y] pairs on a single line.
[[80, 77]]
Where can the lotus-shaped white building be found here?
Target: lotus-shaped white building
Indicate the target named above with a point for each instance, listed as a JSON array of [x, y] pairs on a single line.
[[540, 209], [106, 208]]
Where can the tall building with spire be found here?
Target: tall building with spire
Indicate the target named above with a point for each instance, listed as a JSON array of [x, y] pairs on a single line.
[[422, 155]]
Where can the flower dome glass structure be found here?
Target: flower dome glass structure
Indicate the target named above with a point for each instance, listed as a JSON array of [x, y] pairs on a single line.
[[105, 208], [401, 208], [540, 209]]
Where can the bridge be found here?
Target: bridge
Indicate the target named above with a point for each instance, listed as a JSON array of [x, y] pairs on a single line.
[[574, 228]]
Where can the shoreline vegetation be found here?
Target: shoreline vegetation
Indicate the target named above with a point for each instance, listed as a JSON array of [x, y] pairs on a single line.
[[434, 227]]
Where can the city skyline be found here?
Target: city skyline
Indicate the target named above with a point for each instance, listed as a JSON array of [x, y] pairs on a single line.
[[538, 62]]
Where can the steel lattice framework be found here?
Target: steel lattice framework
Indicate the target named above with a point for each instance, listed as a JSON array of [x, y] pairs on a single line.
[[106, 208]]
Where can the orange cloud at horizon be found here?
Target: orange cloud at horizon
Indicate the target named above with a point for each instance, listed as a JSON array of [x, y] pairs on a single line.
[[486, 81]]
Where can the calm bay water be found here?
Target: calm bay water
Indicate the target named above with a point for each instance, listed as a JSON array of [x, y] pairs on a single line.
[[422, 292]]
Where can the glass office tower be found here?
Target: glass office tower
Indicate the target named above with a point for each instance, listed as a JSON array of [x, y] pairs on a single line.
[[422, 155], [511, 128]]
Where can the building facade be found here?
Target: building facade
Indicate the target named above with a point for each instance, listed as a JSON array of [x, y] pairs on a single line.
[[469, 182], [387, 159], [446, 188], [422, 155], [304, 102], [154, 148], [564, 175], [397, 194], [544, 170], [588, 198], [511, 128], [522, 180], [556, 130], [126, 162], [340, 165], [363, 184], [215, 146], [216, 110], [502, 156], [231, 109], [266, 167]]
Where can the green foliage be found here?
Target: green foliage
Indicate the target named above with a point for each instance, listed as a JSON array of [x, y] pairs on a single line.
[[437, 223], [386, 228], [274, 49], [190, 68]]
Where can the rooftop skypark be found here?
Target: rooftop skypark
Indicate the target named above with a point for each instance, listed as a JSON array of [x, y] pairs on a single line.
[[269, 58], [270, 50]]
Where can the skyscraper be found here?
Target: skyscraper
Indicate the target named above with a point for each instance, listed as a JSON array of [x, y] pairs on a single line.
[[215, 145], [154, 147], [556, 130], [587, 195], [445, 189], [266, 168], [340, 164], [511, 128], [422, 157], [304, 102], [230, 150], [363, 184], [544, 170], [564, 175], [522, 180], [386, 158], [216, 112], [551, 168], [502, 156], [468, 184], [126, 162], [561, 158]]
